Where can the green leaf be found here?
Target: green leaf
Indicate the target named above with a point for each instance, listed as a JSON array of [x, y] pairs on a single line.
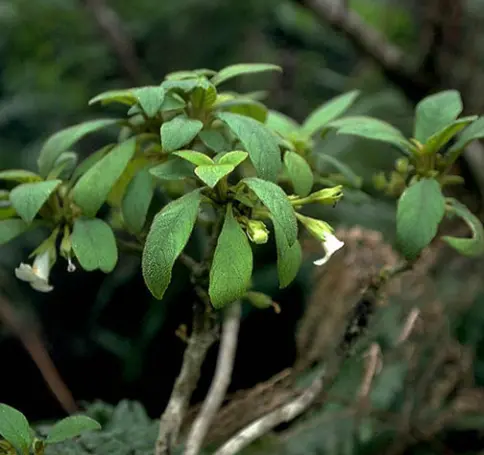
[[435, 112], [204, 96], [6, 209], [64, 139], [124, 96], [167, 238], [137, 200], [90, 161], [181, 85], [172, 102], [214, 140], [420, 211], [341, 167], [245, 107], [299, 172], [289, 258], [274, 198], [438, 140], [63, 166], [92, 189], [371, 128], [94, 245], [240, 69], [70, 427], [15, 428], [174, 169], [231, 270], [471, 133], [179, 132], [9, 229], [473, 246], [20, 175], [281, 123], [28, 198], [234, 158], [177, 75], [117, 192], [259, 142], [197, 158], [211, 174], [150, 99], [328, 112]]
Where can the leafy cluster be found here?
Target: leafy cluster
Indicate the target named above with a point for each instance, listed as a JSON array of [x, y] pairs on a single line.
[[19, 437], [230, 167]]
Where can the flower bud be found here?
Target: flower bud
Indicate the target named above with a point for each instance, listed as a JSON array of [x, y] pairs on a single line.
[[317, 228], [257, 232], [380, 181], [262, 301], [327, 196], [401, 165]]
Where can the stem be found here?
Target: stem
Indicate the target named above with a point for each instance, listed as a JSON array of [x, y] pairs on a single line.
[[221, 380], [285, 413], [202, 338], [204, 334]]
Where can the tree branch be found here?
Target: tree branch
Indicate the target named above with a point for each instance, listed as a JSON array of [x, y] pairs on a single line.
[[397, 67], [203, 336], [221, 380], [116, 37], [32, 341], [267, 423]]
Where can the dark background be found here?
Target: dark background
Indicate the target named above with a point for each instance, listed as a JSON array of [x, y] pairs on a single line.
[[106, 335]]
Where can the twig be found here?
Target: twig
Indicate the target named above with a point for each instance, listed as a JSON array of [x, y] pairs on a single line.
[[373, 367], [409, 325], [265, 424], [311, 395], [221, 381], [113, 30], [32, 342], [200, 341], [390, 58]]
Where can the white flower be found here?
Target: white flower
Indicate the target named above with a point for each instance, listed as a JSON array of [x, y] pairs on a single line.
[[37, 274], [330, 244]]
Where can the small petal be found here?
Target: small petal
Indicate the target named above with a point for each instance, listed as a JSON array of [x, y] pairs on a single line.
[[322, 261], [41, 265], [37, 274], [24, 272], [41, 286], [331, 244]]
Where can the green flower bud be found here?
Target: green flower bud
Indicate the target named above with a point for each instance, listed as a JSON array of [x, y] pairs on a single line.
[[402, 165], [380, 181], [262, 301], [327, 196], [317, 228], [257, 232]]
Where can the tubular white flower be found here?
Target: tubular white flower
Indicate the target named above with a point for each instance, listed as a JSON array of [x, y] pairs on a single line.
[[331, 244], [37, 274]]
